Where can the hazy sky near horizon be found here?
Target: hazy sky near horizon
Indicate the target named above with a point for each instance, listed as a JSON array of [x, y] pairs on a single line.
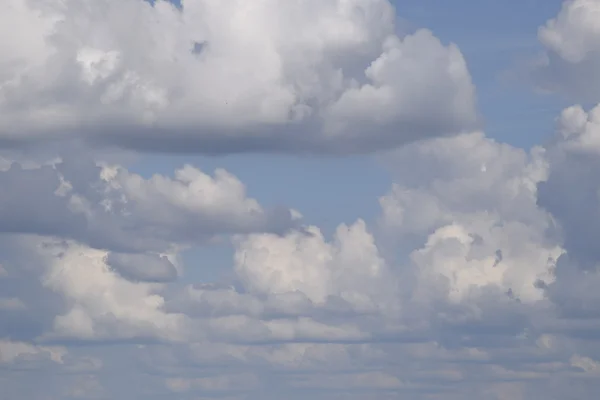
[[267, 199]]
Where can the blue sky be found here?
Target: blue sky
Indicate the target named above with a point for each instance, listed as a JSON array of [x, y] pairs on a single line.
[[341, 199]]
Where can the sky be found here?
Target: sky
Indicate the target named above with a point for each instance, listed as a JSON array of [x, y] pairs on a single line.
[[267, 199]]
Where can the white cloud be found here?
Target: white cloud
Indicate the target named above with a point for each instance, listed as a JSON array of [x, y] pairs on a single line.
[[471, 203], [477, 281], [458, 284], [303, 262], [110, 207], [100, 304], [572, 58], [12, 304], [585, 363], [268, 76], [571, 33], [579, 129], [11, 352], [451, 254]]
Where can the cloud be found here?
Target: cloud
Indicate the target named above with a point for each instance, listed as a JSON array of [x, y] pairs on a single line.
[[572, 53], [14, 352], [319, 76], [303, 262], [467, 200], [466, 278], [99, 304], [109, 207], [570, 192], [143, 267], [477, 280]]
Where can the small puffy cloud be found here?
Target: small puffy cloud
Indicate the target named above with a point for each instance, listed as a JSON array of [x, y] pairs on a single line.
[[213, 77], [572, 59], [12, 303], [190, 198], [579, 130], [587, 364], [303, 262], [66, 291], [110, 207], [99, 303], [15, 352], [571, 33]]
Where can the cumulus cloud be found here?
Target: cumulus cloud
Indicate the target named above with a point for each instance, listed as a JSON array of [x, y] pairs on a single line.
[[213, 77], [466, 267], [572, 59], [472, 207], [465, 279], [570, 193], [109, 207], [460, 203], [303, 262], [97, 302], [477, 280]]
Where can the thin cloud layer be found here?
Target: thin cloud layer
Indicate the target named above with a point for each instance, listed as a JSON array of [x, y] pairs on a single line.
[[213, 77]]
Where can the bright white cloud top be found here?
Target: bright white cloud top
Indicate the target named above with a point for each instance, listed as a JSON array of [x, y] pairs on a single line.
[[234, 76], [477, 280]]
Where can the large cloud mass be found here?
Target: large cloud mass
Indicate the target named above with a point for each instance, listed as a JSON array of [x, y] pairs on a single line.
[[475, 273], [477, 280], [219, 77]]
